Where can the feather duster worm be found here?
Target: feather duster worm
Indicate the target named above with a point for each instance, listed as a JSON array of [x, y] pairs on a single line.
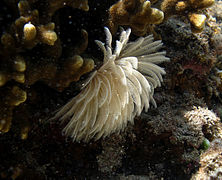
[[118, 91]]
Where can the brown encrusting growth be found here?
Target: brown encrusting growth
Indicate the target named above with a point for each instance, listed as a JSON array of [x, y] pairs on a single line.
[[196, 62]]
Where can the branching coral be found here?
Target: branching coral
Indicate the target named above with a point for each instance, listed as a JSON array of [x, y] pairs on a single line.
[[59, 77], [29, 30], [24, 34], [117, 92], [31, 51], [54, 5], [137, 14], [18, 67], [188, 8], [10, 97]]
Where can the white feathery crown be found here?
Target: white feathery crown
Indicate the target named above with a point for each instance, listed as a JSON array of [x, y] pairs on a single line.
[[118, 91]]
